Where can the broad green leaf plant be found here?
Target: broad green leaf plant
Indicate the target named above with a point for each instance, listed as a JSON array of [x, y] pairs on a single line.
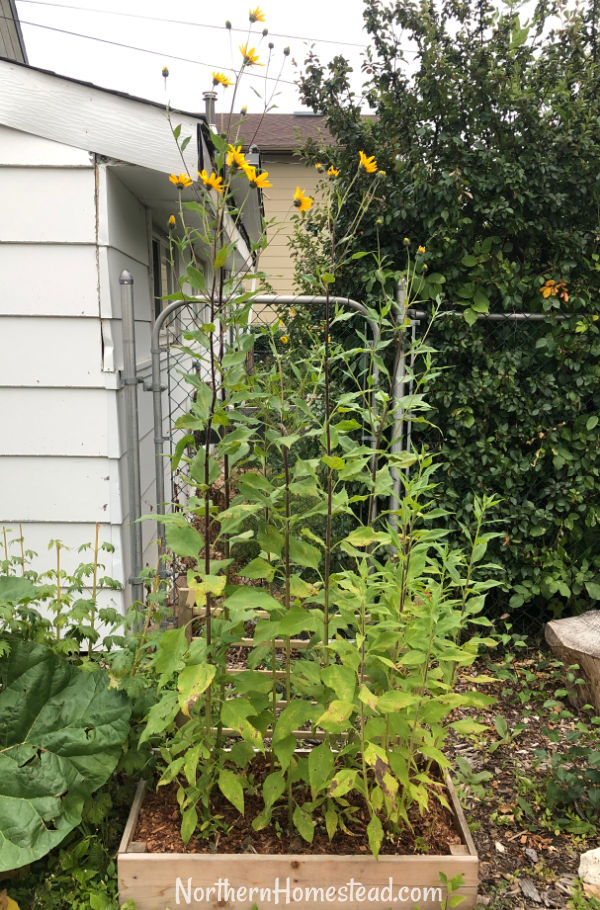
[[358, 613], [61, 736]]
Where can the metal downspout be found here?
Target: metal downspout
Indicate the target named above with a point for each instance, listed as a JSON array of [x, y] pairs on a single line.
[[130, 383]]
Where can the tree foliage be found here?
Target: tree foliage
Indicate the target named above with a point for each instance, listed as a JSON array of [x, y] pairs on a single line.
[[488, 129]]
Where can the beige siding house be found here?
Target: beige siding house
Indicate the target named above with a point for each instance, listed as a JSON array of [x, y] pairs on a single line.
[[11, 39], [279, 137]]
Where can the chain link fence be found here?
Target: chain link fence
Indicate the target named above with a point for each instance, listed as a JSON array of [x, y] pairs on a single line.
[[514, 402]]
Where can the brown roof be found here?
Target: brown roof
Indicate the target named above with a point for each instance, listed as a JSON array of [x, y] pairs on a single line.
[[276, 132]]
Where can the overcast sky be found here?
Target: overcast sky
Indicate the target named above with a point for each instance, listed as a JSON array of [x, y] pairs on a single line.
[[192, 29]]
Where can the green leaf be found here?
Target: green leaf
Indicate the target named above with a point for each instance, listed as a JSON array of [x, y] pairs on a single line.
[[593, 589], [334, 462], [235, 713], [466, 725], [171, 650], [470, 316], [61, 735], [333, 720], [341, 679], [375, 835], [182, 539], [198, 468], [189, 822], [14, 589], [481, 303], [195, 278], [270, 539], [364, 537], [243, 600], [331, 820], [295, 715], [501, 725], [193, 681], [304, 824], [301, 588], [258, 568], [221, 257], [161, 714], [396, 700], [304, 554], [591, 422], [231, 788], [273, 787], [320, 766], [297, 620], [343, 782]]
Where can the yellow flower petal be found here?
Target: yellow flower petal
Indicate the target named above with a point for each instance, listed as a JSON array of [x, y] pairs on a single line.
[[211, 180], [250, 56], [181, 181], [301, 200], [221, 79], [369, 164]]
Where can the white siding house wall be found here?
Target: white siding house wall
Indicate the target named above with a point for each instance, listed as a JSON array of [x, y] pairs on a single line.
[[67, 230], [53, 397]]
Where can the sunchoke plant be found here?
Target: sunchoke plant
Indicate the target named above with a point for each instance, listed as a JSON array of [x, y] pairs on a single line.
[[311, 537]]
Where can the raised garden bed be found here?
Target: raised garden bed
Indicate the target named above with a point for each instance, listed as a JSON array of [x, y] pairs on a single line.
[[156, 881]]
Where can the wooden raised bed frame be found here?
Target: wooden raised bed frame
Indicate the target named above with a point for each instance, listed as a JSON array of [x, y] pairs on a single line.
[[157, 881]]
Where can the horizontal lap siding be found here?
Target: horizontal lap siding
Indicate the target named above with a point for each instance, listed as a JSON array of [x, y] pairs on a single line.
[[286, 174], [48, 279], [61, 431], [55, 488]]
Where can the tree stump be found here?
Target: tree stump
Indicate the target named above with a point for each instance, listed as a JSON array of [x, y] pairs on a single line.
[[576, 640]]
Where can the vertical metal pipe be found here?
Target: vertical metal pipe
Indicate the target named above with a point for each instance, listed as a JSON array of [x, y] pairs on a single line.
[[130, 383], [398, 392], [159, 437]]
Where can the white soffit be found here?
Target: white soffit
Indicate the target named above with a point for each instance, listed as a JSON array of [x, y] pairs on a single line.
[[94, 119]]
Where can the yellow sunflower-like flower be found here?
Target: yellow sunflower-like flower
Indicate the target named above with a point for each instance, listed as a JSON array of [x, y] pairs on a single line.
[[254, 179], [319, 167], [369, 164], [420, 249], [301, 200], [181, 181], [172, 221], [221, 79], [236, 156], [211, 180], [256, 15], [250, 56], [284, 339], [332, 172]]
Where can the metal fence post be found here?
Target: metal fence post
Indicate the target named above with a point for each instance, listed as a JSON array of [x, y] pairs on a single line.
[[130, 383]]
